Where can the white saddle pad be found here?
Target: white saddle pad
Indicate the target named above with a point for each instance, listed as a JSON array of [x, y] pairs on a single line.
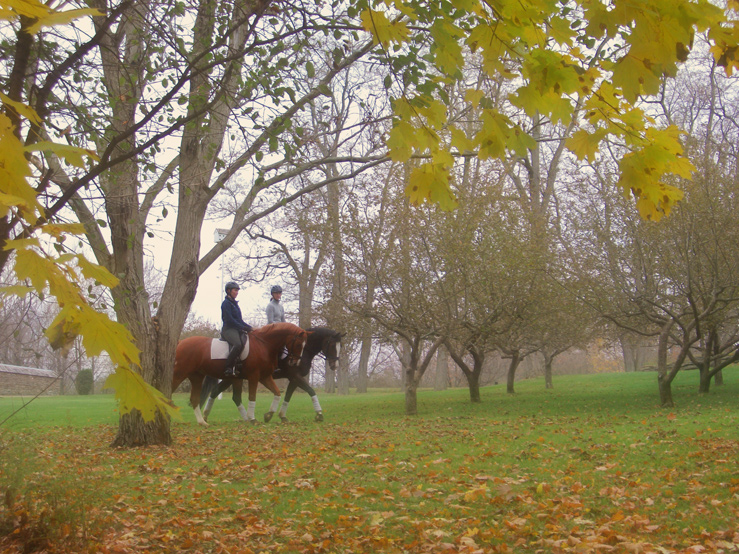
[[219, 349]]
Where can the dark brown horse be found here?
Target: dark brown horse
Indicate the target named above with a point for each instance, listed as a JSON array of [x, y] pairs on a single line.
[[194, 361], [322, 341]]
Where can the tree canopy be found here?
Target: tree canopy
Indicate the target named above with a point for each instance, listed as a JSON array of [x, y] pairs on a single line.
[[583, 63]]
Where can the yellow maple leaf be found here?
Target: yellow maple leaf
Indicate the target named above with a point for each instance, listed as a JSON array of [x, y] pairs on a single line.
[[72, 154], [132, 392], [28, 8], [584, 144], [58, 230], [14, 170], [61, 18], [21, 109], [493, 135], [474, 96], [633, 77], [97, 272], [382, 29], [434, 112], [401, 141], [461, 142], [447, 49], [61, 335], [100, 333], [430, 183]]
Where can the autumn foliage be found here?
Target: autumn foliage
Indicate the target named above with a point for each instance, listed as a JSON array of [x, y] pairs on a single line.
[[583, 65], [593, 466]]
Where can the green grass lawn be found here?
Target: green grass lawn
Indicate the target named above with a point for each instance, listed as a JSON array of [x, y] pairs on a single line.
[[592, 465]]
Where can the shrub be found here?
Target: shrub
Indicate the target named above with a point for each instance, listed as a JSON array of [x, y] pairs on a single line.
[[84, 382]]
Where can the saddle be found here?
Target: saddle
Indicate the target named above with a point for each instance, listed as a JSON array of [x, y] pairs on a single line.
[[219, 349]]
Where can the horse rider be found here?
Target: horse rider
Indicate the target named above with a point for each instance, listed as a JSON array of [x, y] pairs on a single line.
[[234, 327], [275, 311]]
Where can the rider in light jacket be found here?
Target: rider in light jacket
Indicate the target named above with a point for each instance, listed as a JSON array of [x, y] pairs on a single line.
[[275, 311]]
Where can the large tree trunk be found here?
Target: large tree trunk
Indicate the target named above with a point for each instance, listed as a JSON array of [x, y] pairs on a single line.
[[704, 384], [548, 360], [364, 356], [342, 379], [664, 380], [411, 394], [634, 353], [306, 285], [515, 360], [134, 431], [366, 348], [718, 379], [442, 369], [330, 379], [405, 363], [473, 381], [338, 275], [665, 391]]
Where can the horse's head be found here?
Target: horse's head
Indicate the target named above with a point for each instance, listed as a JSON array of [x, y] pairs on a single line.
[[331, 348], [295, 344]]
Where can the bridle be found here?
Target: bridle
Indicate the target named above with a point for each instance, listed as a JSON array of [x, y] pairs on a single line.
[[292, 359], [326, 357]]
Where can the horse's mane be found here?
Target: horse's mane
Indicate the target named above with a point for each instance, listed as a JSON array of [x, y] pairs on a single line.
[[323, 332], [279, 326]]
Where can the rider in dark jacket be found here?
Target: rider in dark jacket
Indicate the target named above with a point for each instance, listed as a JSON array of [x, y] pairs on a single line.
[[234, 327]]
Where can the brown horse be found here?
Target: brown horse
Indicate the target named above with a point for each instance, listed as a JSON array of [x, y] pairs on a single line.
[[194, 361], [322, 341]]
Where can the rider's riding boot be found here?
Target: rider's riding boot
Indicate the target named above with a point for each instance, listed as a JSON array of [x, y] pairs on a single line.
[[230, 370]]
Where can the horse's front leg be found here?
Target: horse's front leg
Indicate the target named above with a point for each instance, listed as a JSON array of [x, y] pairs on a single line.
[[249, 414], [271, 385], [303, 383], [291, 386]]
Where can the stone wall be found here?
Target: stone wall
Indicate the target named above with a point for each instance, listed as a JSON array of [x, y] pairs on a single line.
[[27, 381]]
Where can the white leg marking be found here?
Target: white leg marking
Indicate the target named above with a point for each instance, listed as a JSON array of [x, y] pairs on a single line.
[[208, 407], [199, 417], [283, 409], [251, 409], [275, 404], [242, 411], [316, 403]]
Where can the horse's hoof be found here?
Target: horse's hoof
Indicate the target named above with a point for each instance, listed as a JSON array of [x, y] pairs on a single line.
[[319, 416], [268, 417], [203, 423], [284, 419], [252, 421]]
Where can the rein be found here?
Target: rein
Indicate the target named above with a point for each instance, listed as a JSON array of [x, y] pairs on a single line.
[[328, 358], [292, 359]]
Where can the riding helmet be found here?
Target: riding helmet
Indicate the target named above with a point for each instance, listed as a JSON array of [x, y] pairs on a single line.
[[276, 288], [231, 285]]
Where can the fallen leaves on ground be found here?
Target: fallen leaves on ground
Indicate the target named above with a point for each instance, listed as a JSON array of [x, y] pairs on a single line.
[[470, 487]]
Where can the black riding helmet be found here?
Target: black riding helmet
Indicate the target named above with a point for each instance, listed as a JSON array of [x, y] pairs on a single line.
[[276, 288], [231, 285]]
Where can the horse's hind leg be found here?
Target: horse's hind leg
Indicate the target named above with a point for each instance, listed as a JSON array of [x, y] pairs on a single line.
[[302, 382], [211, 389], [271, 385], [196, 383], [249, 416], [238, 388]]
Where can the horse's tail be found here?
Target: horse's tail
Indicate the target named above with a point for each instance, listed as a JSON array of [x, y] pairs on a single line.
[[209, 384]]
